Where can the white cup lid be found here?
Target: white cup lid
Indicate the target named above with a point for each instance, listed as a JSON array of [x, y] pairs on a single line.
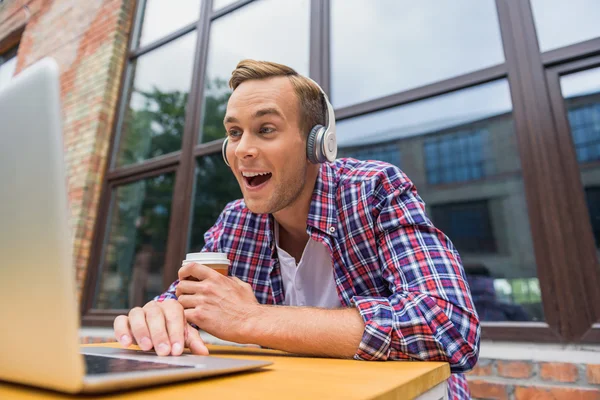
[[208, 258]]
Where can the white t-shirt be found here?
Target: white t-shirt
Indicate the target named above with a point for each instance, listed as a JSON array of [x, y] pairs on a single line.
[[310, 283]]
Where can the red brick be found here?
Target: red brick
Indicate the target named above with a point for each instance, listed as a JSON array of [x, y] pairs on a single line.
[[487, 390], [559, 372], [481, 370], [593, 374], [515, 369], [555, 393]]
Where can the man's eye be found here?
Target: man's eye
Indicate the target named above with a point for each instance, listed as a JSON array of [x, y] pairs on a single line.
[[234, 133], [265, 129]]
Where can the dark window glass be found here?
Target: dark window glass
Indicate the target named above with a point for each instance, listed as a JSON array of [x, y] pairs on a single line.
[[132, 265], [581, 92], [262, 23], [215, 186], [468, 224], [460, 151], [387, 152], [156, 106], [164, 17], [560, 23], [387, 46], [592, 196], [457, 156]]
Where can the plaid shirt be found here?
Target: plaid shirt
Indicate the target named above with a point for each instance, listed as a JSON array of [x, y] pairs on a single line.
[[403, 275]]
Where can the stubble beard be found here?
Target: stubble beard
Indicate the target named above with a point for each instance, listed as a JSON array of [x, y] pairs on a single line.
[[284, 195]]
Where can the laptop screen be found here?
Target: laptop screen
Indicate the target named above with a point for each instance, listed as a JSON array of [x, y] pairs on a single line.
[[98, 365]]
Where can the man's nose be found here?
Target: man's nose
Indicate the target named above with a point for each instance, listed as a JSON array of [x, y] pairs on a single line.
[[246, 147]]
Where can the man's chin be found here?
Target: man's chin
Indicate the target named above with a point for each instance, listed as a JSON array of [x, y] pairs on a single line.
[[257, 207]]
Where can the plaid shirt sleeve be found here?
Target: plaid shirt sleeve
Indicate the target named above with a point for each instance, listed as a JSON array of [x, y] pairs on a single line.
[[430, 315], [211, 238]]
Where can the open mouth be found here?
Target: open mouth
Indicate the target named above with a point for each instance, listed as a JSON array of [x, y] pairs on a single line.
[[255, 180]]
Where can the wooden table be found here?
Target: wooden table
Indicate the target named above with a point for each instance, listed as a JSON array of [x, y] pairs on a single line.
[[289, 377]]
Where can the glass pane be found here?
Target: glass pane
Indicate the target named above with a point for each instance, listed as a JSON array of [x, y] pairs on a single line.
[[403, 45], [134, 252], [227, 47], [561, 23], [215, 186], [582, 99], [164, 17], [155, 116], [460, 150], [218, 4]]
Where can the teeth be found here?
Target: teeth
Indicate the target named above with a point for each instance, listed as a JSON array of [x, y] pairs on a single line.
[[251, 174]]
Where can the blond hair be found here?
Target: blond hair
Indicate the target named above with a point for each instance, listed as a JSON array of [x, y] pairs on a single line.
[[309, 94]]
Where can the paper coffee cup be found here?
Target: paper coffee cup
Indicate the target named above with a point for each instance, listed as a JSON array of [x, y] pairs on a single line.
[[216, 261]]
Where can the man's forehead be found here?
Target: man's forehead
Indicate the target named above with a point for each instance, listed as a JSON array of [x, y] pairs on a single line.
[[275, 95]]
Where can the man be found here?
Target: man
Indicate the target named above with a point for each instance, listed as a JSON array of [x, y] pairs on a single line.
[[346, 245]]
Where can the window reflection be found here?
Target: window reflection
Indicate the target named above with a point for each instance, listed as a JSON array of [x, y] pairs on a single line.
[[561, 23], [388, 46], [267, 19], [164, 17], [582, 100], [131, 273], [155, 116], [215, 186], [461, 152]]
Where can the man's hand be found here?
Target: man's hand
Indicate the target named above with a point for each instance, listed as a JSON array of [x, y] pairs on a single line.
[[218, 304], [159, 325]]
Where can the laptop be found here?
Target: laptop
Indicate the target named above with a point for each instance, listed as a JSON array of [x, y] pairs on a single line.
[[39, 334]]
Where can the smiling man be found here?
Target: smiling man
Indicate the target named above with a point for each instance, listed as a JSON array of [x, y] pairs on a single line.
[[334, 258]]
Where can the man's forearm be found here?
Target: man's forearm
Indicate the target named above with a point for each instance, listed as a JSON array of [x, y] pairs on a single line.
[[306, 330]]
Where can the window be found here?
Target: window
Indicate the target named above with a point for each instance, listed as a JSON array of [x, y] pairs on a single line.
[[585, 127], [8, 65], [592, 195], [456, 157], [560, 23], [459, 138], [387, 46], [132, 269], [468, 225], [227, 47], [161, 18], [581, 93], [387, 152], [158, 94]]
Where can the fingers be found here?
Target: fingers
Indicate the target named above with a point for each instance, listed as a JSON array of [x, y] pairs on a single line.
[[189, 287], [122, 331], [197, 271], [190, 301], [156, 320], [139, 328], [175, 323], [194, 342]]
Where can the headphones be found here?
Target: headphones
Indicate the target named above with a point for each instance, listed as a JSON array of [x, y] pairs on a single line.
[[321, 145]]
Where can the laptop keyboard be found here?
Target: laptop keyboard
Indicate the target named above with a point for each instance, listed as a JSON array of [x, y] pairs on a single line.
[[96, 365]]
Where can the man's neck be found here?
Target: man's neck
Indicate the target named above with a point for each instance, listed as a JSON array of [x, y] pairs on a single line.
[[292, 219]]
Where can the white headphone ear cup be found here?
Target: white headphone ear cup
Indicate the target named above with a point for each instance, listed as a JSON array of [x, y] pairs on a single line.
[[330, 146], [224, 152], [312, 145]]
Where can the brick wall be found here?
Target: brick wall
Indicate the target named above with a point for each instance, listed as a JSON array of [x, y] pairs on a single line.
[[88, 39], [527, 380]]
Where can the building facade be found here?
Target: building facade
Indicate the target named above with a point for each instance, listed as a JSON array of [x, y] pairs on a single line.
[[492, 108]]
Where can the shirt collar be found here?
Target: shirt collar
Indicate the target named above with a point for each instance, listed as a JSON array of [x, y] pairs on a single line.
[[323, 212]]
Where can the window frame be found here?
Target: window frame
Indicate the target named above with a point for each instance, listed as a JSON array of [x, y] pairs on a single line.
[[539, 141]]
